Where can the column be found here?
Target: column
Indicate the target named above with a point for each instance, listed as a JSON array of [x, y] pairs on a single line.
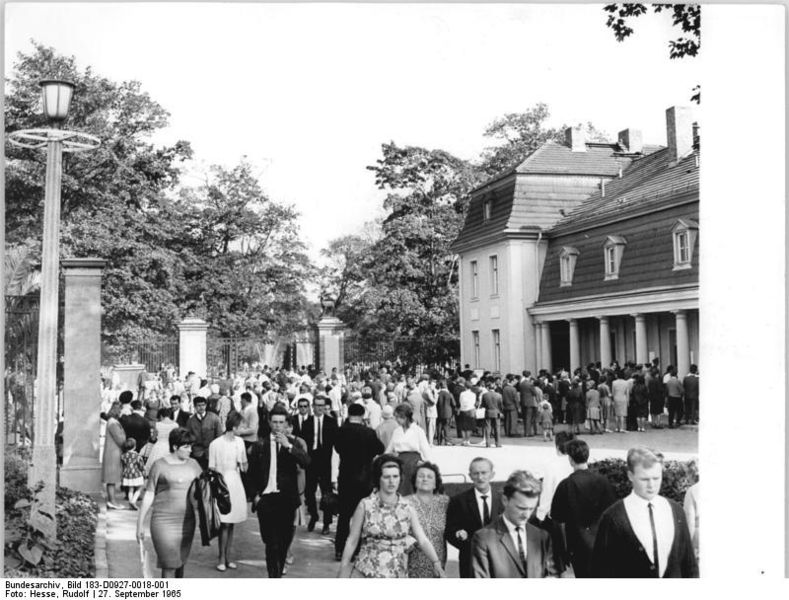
[[81, 468], [683, 345], [192, 347], [642, 353], [545, 333], [605, 342], [575, 346], [331, 337], [538, 345]]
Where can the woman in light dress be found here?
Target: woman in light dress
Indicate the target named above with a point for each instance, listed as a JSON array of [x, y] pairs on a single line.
[[409, 443], [111, 469], [385, 526], [227, 455], [430, 504], [161, 448]]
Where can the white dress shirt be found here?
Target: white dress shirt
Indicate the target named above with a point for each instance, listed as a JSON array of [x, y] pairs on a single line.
[[638, 515], [373, 413], [318, 433], [481, 506], [271, 486], [411, 440], [515, 534]]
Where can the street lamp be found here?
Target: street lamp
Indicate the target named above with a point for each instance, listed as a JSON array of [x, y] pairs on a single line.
[[56, 99]]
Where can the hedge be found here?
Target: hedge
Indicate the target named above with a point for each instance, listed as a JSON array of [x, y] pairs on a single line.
[[678, 476], [72, 554]]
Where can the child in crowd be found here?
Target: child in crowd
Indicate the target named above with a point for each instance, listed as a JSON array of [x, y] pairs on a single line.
[[132, 468], [593, 408], [546, 420]]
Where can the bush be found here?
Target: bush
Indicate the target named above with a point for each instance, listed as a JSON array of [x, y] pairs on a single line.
[[76, 514], [678, 476]]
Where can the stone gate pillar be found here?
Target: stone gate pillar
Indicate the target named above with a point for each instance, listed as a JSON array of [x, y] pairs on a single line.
[[193, 347], [331, 337], [81, 468]]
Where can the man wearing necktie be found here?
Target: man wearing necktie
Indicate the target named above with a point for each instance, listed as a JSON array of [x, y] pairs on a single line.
[[319, 433], [470, 511], [273, 462], [645, 534], [510, 546]]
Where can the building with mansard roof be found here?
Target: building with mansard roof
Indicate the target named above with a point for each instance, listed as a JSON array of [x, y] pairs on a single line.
[[585, 252]]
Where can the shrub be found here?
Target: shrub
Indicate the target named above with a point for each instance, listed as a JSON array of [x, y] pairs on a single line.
[[71, 555], [678, 476]]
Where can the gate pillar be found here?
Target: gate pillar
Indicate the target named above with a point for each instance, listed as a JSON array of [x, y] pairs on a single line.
[[331, 337]]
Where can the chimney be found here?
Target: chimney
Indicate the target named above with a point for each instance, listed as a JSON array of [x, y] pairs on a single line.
[[632, 140], [575, 137], [679, 131]]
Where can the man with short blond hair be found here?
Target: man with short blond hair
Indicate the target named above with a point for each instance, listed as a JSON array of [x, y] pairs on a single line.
[[644, 535]]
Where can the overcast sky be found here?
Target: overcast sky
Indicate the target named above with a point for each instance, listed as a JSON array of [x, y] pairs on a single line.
[[309, 92]]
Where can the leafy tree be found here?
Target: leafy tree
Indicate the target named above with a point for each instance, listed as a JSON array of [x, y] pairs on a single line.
[[245, 267], [411, 275], [110, 196], [520, 134], [686, 17]]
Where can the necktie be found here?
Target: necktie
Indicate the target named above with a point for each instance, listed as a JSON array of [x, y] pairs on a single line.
[[485, 511], [521, 553], [654, 540]]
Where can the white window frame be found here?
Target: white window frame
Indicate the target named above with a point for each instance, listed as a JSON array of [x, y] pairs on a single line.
[[496, 334], [494, 274], [613, 250], [475, 344], [474, 280], [687, 230], [487, 210], [567, 259]]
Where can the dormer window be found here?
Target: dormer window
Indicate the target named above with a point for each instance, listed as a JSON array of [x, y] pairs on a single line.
[[684, 234], [613, 249], [567, 259], [487, 210]]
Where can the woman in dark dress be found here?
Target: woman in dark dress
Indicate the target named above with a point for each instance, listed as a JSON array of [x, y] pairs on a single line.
[[576, 406], [639, 398], [173, 519]]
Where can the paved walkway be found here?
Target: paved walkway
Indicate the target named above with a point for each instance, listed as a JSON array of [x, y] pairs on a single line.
[[315, 552]]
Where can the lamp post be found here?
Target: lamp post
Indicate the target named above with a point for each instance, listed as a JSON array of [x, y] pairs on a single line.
[[56, 99]]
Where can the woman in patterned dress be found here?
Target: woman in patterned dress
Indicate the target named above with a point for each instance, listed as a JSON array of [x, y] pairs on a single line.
[[387, 525], [228, 456], [430, 504]]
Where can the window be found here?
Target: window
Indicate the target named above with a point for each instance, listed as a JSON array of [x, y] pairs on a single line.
[[494, 275], [475, 342], [474, 280], [613, 249], [487, 210], [496, 350], [684, 233], [567, 259]]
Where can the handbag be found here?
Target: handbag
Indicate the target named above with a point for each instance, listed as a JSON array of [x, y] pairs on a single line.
[[330, 503], [220, 491], [479, 413]]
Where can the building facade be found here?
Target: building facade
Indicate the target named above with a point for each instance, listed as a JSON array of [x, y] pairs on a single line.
[[585, 252]]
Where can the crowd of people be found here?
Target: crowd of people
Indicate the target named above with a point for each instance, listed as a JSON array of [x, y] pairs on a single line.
[[271, 435]]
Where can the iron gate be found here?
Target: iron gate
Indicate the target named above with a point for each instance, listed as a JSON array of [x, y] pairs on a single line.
[[21, 354]]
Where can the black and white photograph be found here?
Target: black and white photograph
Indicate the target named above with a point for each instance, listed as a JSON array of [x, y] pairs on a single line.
[[326, 290]]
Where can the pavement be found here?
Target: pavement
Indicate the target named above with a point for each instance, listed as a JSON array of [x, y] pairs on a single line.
[[118, 556]]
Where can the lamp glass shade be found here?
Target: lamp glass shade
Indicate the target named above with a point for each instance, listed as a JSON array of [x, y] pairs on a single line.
[[56, 98]]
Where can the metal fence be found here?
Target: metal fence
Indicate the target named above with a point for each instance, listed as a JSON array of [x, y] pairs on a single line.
[[21, 354], [412, 353], [152, 353]]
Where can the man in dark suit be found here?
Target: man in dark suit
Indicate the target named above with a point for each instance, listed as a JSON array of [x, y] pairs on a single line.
[[528, 404], [470, 511], [510, 401], [302, 418], [319, 433], [135, 426], [578, 502], [510, 546], [491, 401], [205, 427], [644, 534], [357, 446], [272, 474], [179, 416]]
